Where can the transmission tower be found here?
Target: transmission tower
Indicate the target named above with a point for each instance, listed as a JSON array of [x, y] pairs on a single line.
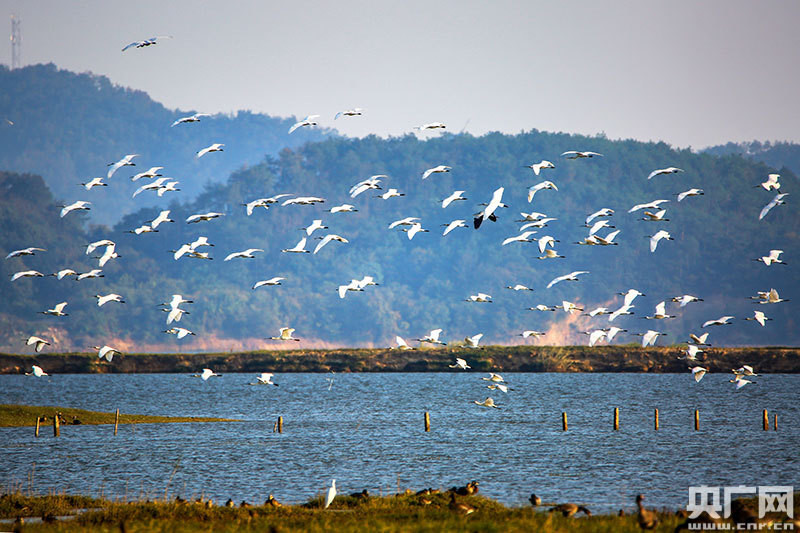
[[16, 42]]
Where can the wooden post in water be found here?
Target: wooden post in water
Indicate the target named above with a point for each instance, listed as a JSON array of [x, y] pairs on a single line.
[[427, 421], [616, 418], [56, 424], [656, 419], [116, 422], [775, 421], [697, 419], [766, 420], [280, 424], [564, 421], [38, 419]]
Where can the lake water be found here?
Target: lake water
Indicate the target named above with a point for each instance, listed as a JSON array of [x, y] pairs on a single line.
[[366, 431]]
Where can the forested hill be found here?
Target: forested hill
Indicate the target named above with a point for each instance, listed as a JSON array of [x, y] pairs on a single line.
[[68, 127], [778, 155], [423, 283]]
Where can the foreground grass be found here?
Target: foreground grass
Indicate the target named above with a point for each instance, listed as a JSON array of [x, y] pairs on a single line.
[[432, 513], [25, 415]]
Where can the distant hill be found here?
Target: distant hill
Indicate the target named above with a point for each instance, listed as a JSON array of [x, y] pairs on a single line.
[[68, 127], [778, 155], [422, 282]]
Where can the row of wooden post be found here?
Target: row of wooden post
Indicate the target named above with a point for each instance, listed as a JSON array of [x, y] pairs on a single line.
[[565, 426], [278, 427]]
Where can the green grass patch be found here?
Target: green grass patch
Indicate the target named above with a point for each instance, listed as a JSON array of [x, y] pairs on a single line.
[[25, 415]]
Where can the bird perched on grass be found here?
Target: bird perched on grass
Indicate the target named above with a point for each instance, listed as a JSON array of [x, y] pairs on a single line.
[[647, 519]]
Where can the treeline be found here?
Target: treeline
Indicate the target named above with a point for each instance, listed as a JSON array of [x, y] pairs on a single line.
[[422, 282]]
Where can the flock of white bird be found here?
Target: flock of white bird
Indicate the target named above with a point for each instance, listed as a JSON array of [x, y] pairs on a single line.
[[533, 222]]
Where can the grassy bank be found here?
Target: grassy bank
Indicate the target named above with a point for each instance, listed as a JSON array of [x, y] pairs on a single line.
[[25, 415], [617, 358], [405, 512]]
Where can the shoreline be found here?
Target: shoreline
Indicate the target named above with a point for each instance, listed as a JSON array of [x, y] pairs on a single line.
[[617, 358]]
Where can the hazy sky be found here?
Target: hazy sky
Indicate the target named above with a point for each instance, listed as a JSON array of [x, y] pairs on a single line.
[[686, 72]]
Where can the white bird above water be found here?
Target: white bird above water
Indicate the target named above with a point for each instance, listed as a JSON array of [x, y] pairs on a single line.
[[162, 218], [27, 274], [773, 257], [433, 337], [524, 237], [771, 182], [456, 196], [691, 192], [24, 251], [772, 297], [286, 335], [650, 205], [537, 167], [245, 254], [111, 297], [269, 282], [540, 186], [37, 371], [80, 205], [401, 343], [202, 217], [488, 402], [649, 338], [152, 172], [698, 372], [391, 193], [126, 161], [472, 342], [491, 207], [604, 212], [328, 238], [344, 208], [453, 225], [266, 379], [179, 332], [574, 154], [686, 299], [94, 182], [207, 373], [668, 170], [572, 276], [460, 363], [216, 147], [38, 341], [659, 235], [354, 112], [61, 274], [658, 216], [57, 310], [778, 200], [436, 170], [193, 118], [299, 248], [107, 352], [415, 228], [722, 321], [431, 126], [308, 121], [146, 42], [759, 317]]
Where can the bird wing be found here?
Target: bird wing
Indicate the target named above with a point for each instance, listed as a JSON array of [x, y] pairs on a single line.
[[323, 242]]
